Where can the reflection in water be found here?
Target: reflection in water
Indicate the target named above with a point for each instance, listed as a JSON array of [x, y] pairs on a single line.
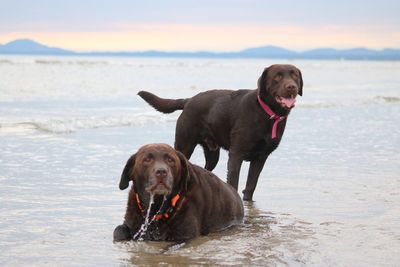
[[263, 239]]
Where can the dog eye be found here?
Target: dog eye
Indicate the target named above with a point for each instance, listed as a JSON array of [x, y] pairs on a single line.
[[148, 159], [278, 76], [294, 74], [169, 159]]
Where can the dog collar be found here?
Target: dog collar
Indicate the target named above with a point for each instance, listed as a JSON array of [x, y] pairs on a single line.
[[272, 116], [161, 214]]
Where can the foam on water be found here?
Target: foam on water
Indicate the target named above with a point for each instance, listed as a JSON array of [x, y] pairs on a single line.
[[138, 117], [68, 125]]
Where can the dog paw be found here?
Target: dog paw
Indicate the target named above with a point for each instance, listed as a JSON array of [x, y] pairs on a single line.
[[122, 233]]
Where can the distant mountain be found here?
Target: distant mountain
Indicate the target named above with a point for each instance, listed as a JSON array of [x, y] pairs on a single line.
[[354, 53], [268, 51], [29, 47], [26, 46]]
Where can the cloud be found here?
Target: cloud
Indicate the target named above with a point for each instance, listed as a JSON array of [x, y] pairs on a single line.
[[178, 37], [201, 25]]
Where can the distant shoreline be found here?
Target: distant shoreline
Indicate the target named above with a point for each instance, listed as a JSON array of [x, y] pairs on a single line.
[[30, 47], [94, 55]]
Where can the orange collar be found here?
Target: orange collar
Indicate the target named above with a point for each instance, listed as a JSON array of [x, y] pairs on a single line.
[[167, 213]]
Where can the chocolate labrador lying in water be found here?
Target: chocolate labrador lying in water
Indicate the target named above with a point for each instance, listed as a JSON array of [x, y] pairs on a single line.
[[188, 200], [248, 123]]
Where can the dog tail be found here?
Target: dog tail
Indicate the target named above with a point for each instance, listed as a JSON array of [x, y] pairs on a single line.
[[162, 104]]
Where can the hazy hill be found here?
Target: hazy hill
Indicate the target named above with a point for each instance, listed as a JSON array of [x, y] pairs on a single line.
[[29, 47], [268, 51], [26, 46]]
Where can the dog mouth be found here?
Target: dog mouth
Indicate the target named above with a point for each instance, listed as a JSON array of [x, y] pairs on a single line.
[[159, 188], [286, 102]]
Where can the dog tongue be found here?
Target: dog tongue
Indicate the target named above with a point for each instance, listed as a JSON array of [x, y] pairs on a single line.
[[289, 102]]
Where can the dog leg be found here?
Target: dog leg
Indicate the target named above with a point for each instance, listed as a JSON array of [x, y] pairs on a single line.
[[234, 165], [255, 169], [185, 139], [212, 158], [122, 233], [186, 147]]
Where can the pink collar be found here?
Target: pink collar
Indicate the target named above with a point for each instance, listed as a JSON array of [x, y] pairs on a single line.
[[272, 116]]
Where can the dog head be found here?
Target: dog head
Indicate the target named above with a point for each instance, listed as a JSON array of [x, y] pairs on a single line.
[[279, 86], [156, 169]]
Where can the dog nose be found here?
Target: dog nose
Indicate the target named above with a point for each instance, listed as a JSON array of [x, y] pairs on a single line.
[[161, 173], [291, 89]]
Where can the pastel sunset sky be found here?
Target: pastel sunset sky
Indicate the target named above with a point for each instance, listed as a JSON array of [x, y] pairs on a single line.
[[211, 25]]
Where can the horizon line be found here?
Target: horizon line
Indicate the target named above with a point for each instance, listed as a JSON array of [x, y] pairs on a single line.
[[202, 50], [31, 47]]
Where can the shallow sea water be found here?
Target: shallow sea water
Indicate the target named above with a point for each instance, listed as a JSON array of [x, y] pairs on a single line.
[[328, 196]]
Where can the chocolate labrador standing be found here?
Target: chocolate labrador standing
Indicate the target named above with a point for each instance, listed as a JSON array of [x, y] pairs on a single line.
[[188, 200], [248, 123]]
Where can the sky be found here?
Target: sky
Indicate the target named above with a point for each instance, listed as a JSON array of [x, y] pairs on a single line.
[[201, 25]]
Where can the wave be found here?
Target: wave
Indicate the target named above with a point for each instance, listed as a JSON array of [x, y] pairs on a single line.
[[54, 61], [6, 61], [63, 124], [387, 99], [110, 61], [69, 125], [70, 62]]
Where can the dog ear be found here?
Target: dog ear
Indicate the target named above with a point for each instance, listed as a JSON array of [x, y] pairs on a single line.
[[185, 170], [301, 83], [262, 83], [127, 172]]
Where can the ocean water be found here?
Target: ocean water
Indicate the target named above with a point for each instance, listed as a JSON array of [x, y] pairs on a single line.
[[328, 196]]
